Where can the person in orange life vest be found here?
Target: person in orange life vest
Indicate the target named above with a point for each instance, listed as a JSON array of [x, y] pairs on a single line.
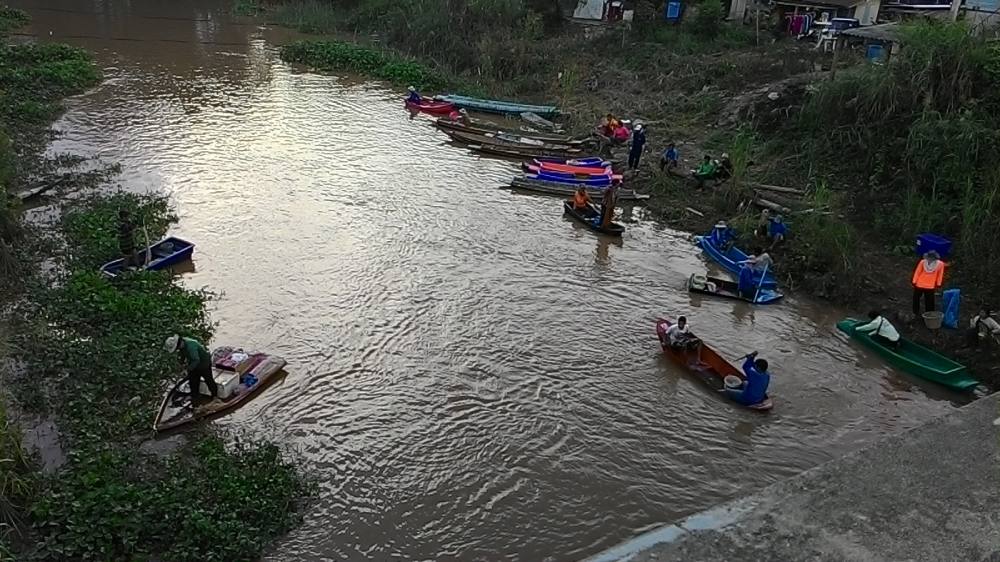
[[927, 278], [581, 202]]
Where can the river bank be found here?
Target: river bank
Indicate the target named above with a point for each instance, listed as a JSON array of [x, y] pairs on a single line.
[[83, 354], [709, 92]]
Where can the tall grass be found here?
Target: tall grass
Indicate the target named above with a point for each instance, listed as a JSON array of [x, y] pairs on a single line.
[[922, 135], [16, 480]]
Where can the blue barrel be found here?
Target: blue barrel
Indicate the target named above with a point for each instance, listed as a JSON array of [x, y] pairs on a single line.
[[672, 11], [875, 53], [927, 242]]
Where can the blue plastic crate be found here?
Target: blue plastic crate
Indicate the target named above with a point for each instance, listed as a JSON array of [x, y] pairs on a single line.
[[927, 242]]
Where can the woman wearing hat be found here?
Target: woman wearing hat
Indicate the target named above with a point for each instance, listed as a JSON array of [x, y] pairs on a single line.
[[197, 363]]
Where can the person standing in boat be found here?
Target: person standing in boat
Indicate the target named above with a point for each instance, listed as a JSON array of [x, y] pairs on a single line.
[[197, 363], [582, 202], [754, 389], [927, 278], [638, 144], [413, 96], [126, 239], [608, 205], [880, 330]]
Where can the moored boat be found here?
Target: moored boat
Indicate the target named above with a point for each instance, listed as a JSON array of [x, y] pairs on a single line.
[[566, 190], [730, 260], [519, 153], [724, 288], [240, 377], [586, 162], [510, 141], [430, 106], [596, 174], [163, 254], [598, 181], [705, 364], [499, 107], [914, 359], [589, 219], [486, 128]]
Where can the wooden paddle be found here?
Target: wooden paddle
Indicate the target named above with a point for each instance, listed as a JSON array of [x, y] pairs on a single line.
[[761, 284]]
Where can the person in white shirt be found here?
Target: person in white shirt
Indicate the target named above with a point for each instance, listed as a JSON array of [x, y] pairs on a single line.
[[679, 335], [984, 325], [880, 329]]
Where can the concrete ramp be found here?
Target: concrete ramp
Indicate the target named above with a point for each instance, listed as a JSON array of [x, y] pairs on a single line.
[[929, 494]]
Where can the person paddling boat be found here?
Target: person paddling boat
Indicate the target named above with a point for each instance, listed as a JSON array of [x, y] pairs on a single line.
[[754, 389]]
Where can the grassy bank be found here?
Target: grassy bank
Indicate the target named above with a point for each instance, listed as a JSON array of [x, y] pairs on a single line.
[[85, 352]]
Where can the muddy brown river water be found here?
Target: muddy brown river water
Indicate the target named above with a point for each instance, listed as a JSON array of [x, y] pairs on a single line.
[[471, 376]]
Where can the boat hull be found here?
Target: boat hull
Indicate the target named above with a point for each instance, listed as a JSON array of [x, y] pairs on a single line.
[[555, 178], [587, 162], [723, 288], [566, 190], [729, 260], [915, 359], [176, 411], [485, 129], [165, 253], [706, 365], [613, 229], [430, 107], [500, 107]]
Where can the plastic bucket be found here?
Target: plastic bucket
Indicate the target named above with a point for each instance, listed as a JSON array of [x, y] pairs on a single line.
[[733, 382], [933, 319]]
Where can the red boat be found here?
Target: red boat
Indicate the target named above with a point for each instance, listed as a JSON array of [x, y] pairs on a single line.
[[705, 364], [576, 170], [430, 106]]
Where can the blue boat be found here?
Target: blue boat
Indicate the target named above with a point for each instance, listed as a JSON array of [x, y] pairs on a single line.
[[726, 289], [596, 182], [163, 254], [730, 261], [500, 107]]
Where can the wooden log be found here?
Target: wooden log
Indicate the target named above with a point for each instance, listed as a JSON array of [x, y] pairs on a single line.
[[764, 203], [694, 211], [778, 189]]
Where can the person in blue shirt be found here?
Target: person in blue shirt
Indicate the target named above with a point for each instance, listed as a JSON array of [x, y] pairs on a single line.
[[414, 96], [638, 142], [669, 159], [754, 389], [776, 230], [721, 236]]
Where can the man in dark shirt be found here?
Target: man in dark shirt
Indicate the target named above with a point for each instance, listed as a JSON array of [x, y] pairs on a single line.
[[638, 143], [126, 238]]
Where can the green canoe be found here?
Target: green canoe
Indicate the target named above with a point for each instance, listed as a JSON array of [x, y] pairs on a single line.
[[915, 359]]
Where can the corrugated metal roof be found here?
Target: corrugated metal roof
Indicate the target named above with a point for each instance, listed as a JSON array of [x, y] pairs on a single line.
[[819, 3], [880, 32]]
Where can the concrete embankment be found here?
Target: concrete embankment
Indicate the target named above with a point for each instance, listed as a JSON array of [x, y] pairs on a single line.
[[928, 494]]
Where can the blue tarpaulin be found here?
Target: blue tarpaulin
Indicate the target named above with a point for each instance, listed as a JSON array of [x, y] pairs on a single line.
[[949, 302]]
